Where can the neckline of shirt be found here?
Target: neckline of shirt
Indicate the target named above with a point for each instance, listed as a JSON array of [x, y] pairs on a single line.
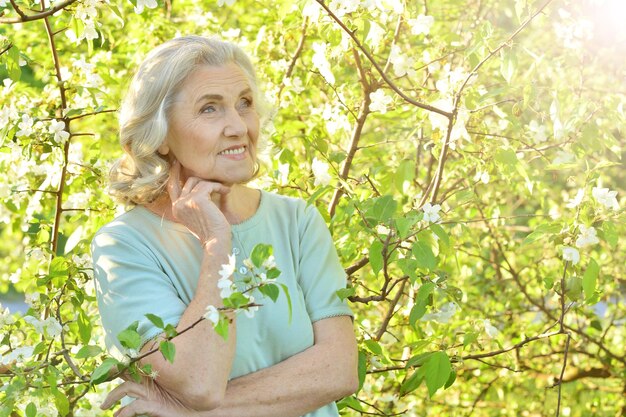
[[249, 223]]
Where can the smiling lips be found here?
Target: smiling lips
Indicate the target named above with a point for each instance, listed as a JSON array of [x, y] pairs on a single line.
[[234, 152]]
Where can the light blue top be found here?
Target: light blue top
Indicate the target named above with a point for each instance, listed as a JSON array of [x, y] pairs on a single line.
[[145, 264]]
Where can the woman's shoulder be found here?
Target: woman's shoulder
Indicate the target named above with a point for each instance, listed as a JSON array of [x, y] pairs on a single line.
[[281, 204]]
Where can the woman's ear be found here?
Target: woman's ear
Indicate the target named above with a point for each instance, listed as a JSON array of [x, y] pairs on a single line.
[[163, 149]]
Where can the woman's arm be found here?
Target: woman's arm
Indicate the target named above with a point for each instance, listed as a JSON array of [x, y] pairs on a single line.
[[302, 383], [325, 372], [203, 359]]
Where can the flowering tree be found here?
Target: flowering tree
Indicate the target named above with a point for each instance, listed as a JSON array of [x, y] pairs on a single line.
[[467, 156]]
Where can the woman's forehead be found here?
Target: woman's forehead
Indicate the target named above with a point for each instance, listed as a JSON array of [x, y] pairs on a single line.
[[228, 79]]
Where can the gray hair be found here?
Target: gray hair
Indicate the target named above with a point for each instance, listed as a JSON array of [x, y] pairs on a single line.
[[140, 175]]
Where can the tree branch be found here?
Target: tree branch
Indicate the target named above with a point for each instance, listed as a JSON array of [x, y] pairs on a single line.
[[28, 18], [380, 70]]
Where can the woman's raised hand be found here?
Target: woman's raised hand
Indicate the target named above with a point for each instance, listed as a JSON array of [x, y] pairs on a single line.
[[195, 205]]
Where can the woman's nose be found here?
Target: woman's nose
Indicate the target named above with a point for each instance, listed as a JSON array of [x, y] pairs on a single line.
[[235, 125]]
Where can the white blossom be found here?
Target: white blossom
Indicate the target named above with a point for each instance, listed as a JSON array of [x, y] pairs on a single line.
[[571, 254], [321, 62], [152, 4], [31, 299], [226, 287], [575, 202], [269, 263], [540, 132], [220, 3], [563, 157], [25, 126], [249, 264], [402, 63], [482, 176], [490, 329], [320, 172], [343, 7], [605, 197], [283, 174], [18, 355], [249, 311], [379, 101], [444, 314], [421, 25], [5, 317], [228, 269], [212, 314], [431, 213], [587, 236], [375, 35], [57, 129], [154, 374]]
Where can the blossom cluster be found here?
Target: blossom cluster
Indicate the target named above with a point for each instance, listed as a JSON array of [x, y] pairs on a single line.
[[254, 278]]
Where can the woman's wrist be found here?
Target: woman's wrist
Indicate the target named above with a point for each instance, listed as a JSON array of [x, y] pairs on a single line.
[[218, 246]]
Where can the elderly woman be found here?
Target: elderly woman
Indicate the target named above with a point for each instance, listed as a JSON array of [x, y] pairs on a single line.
[[190, 132]]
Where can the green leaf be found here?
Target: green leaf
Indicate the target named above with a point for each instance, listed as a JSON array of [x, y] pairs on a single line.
[[88, 351], [270, 290], [362, 368], [344, 293], [384, 208], [168, 350], [129, 338], [260, 253], [84, 327], [101, 373], [418, 360], [541, 231], [469, 338], [13, 64], [31, 410], [411, 383], [590, 279], [424, 255], [58, 267], [350, 402], [444, 239], [437, 371], [450, 380], [170, 331], [156, 320], [62, 403], [221, 328], [374, 347], [286, 292], [610, 233], [405, 224], [376, 256], [508, 64], [421, 301]]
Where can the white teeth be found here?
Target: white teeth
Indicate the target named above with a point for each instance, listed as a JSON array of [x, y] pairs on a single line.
[[236, 151]]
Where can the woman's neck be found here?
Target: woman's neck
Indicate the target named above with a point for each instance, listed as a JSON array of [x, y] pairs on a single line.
[[242, 203]]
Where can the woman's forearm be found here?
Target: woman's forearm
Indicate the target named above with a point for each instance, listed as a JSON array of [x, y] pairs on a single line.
[[325, 372], [203, 359]]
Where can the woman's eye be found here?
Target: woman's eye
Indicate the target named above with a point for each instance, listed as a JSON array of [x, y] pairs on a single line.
[[208, 109], [246, 102]]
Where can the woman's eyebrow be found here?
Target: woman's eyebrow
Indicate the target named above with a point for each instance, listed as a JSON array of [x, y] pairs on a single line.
[[218, 97]]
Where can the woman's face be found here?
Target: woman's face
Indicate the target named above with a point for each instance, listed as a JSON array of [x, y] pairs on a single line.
[[214, 126]]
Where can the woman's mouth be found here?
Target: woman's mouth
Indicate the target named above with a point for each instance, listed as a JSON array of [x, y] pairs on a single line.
[[234, 152]]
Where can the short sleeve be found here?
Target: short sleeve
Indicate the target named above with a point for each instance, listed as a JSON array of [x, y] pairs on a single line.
[[130, 283], [320, 272]]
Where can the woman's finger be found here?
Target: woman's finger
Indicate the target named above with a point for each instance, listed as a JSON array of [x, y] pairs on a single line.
[[128, 388], [138, 408]]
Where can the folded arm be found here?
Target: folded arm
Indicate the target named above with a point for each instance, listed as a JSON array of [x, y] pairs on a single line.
[[325, 372]]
